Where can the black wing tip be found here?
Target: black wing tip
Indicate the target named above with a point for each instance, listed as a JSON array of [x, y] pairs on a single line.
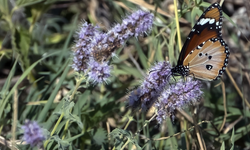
[[216, 4]]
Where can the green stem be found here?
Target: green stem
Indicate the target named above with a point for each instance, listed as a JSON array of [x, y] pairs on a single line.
[[129, 120], [62, 114], [125, 144], [71, 97], [54, 129], [177, 24]]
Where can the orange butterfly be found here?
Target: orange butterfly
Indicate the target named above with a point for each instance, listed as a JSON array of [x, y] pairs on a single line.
[[204, 54]]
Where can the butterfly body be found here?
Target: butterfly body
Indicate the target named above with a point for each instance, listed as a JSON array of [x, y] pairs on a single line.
[[204, 54]]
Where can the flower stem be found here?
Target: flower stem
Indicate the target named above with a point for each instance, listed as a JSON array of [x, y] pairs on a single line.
[[78, 82], [71, 97], [54, 129]]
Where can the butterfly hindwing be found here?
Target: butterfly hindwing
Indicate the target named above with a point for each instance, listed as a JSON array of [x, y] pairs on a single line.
[[208, 62]]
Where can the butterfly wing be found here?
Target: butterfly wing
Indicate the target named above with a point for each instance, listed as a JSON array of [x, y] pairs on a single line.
[[208, 26], [209, 61], [204, 54]]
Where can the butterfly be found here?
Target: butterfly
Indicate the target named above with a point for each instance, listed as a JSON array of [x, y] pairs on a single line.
[[205, 54]]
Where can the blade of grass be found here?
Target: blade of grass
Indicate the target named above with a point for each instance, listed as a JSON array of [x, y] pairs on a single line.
[[8, 81], [177, 24], [225, 105], [65, 47], [24, 75], [46, 108], [237, 88]]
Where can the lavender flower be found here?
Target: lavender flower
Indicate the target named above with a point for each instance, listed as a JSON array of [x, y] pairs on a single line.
[[98, 72], [156, 89], [93, 48], [153, 85], [82, 48], [178, 96], [134, 25], [33, 134]]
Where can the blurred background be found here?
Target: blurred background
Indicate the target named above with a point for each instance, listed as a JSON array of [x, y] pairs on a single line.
[[35, 89]]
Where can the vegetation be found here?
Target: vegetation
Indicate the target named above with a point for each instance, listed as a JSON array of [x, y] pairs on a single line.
[[41, 89]]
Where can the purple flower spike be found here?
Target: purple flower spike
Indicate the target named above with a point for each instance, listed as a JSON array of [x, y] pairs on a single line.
[[33, 134], [98, 72], [140, 21], [177, 96], [82, 48], [93, 48], [136, 24], [154, 84]]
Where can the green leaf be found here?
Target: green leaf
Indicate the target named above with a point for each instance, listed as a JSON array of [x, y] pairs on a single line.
[[6, 85], [49, 103], [198, 1], [158, 47], [4, 7], [23, 40], [172, 43], [173, 140], [62, 144], [120, 135], [229, 19], [24, 75], [100, 136], [82, 101], [66, 109], [232, 140], [205, 4], [242, 131], [131, 71], [68, 40], [222, 146], [67, 106], [24, 3], [142, 56], [195, 12], [75, 118], [74, 137]]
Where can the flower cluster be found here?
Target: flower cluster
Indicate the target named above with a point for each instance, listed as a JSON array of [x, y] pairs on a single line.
[[152, 86], [156, 89], [93, 48], [134, 25], [33, 134], [82, 48], [178, 96], [99, 72]]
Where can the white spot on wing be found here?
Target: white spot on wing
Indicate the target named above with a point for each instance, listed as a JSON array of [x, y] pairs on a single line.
[[203, 21], [211, 21]]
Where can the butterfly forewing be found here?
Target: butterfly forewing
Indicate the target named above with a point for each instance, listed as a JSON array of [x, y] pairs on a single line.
[[208, 26], [204, 54]]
